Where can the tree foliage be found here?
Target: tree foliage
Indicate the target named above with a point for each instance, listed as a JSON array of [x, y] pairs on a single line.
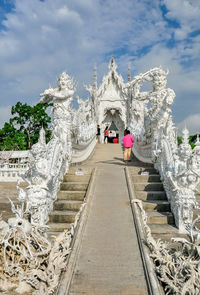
[[192, 140], [179, 139], [23, 128]]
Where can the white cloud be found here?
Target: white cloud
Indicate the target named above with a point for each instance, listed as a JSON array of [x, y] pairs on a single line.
[[44, 38], [186, 13], [191, 123], [5, 115]]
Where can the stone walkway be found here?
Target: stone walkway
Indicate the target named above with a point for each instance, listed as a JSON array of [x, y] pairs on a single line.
[[109, 260]]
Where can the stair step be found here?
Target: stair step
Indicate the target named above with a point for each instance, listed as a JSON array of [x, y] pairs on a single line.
[[76, 170], [146, 178], [142, 165], [166, 232], [155, 217], [168, 238], [139, 170], [62, 216], [73, 205], [156, 205], [73, 186], [153, 186], [162, 229], [71, 195], [151, 195], [58, 227], [76, 178]]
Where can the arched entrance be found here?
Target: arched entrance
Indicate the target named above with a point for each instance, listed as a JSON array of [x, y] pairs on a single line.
[[112, 119]]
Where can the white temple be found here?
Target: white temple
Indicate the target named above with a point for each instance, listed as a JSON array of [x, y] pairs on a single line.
[[120, 105], [112, 101]]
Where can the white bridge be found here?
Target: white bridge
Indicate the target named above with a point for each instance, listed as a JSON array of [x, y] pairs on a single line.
[[120, 105]]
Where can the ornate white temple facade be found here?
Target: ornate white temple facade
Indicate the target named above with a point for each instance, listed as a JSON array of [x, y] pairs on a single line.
[[113, 103]]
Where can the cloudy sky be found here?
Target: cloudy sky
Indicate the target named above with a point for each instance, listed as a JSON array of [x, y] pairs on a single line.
[[41, 38]]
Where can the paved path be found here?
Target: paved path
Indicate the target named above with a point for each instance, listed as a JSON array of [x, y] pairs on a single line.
[[109, 260]]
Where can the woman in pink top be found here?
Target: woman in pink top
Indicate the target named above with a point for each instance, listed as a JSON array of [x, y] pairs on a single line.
[[128, 144]]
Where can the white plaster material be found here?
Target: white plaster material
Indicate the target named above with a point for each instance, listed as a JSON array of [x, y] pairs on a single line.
[[148, 116]]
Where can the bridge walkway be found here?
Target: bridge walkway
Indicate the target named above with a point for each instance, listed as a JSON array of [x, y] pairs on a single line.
[[109, 259]]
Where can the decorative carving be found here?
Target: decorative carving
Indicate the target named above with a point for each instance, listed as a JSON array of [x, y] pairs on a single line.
[[153, 128], [111, 101], [49, 162], [184, 178], [86, 121], [148, 115], [29, 263], [177, 263]]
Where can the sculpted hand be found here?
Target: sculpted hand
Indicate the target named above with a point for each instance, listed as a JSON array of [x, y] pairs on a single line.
[[47, 95]]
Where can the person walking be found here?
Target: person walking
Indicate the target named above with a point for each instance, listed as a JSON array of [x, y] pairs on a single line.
[[125, 131], [106, 135], [128, 144], [98, 133]]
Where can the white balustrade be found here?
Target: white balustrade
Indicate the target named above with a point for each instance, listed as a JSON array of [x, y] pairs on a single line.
[[156, 142]]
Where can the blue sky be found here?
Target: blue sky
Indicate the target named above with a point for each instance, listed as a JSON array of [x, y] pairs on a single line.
[[40, 39]]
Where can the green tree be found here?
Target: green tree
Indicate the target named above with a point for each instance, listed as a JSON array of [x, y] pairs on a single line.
[[192, 140], [23, 128], [179, 139]]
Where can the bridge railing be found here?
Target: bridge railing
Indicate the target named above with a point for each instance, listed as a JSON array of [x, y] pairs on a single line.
[[48, 163], [11, 172], [156, 142]]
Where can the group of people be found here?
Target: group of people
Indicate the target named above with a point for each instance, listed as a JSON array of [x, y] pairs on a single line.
[[127, 141], [106, 133]]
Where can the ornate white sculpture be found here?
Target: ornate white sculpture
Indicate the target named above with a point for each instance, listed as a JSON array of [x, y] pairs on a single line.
[[49, 162], [183, 180], [29, 262], [153, 128], [176, 264], [86, 121], [149, 117]]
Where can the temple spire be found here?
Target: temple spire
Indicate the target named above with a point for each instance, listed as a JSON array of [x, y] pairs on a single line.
[[185, 135], [129, 72], [112, 65], [95, 77]]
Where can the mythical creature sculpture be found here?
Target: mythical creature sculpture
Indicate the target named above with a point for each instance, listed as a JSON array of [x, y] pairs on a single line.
[[137, 121], [62, 97], [160, 99], [28, 260], [184, 179], [179, 167], [49, 162]]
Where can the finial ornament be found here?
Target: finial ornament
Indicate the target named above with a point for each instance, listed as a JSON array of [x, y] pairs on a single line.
[[185, 136], [95, 77], [129, 72], [112, 65]]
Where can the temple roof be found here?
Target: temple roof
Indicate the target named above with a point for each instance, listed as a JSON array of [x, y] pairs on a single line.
[[113, 86]]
